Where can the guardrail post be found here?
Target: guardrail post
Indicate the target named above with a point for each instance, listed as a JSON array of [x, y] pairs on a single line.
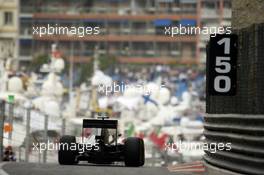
[[45, 137], [2, 120], [10, 118], [19, 153], [27, 143]]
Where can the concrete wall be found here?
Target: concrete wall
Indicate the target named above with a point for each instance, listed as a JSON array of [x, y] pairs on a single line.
[[247, 12], [239, 119]]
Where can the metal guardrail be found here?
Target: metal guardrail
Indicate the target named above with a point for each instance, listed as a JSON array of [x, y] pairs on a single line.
[[24, 122]]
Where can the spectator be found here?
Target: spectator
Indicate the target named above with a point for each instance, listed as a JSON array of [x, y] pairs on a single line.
[[9, 155]]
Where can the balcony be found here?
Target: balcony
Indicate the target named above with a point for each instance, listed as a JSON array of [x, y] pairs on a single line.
[[113, 16], [25, 32], [210, 13], [226, 23], [227, 13], [119, 38], [105, 9]]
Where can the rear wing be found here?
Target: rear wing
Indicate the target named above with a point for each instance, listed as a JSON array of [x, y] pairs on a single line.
[[92, 123]]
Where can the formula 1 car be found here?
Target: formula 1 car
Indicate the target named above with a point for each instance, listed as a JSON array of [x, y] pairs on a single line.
[[103, 151]]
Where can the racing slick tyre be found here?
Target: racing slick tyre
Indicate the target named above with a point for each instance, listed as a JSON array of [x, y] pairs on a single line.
[[65, 155], [134, 152]]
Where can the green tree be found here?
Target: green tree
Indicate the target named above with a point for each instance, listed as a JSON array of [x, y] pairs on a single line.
[[107, 63], [86, 71], [37, 62]]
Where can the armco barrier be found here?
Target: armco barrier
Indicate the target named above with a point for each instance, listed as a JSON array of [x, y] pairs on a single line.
[[23, 122]]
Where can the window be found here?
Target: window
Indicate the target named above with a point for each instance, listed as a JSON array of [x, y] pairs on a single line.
[[227, 4], [209, 5], [8, 18]]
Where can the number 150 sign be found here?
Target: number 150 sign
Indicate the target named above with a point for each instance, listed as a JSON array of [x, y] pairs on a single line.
[[221, 65]]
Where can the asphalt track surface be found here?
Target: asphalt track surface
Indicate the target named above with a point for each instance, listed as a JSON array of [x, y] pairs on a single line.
[[81, 169]]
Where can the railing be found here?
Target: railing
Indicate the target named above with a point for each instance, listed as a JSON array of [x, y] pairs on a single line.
[[206, 13], [104, 10], [25, 129]]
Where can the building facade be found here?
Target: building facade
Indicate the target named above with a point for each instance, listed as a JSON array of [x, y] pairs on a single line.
[[9, 29], [213, 14], [132, 30]]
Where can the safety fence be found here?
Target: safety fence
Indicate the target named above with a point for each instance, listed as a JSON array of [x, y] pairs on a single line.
[[32, 136], [26, 133]]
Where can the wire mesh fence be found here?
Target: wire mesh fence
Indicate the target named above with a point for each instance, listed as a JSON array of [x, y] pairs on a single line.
[[27, 134]]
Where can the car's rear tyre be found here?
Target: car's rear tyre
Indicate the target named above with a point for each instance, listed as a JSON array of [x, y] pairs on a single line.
[[65, 155], [134, 152]]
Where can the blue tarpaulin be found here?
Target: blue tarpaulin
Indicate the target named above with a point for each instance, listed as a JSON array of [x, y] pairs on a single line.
[[162, 22], [188, 1], [187, 22], [25, 41]]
